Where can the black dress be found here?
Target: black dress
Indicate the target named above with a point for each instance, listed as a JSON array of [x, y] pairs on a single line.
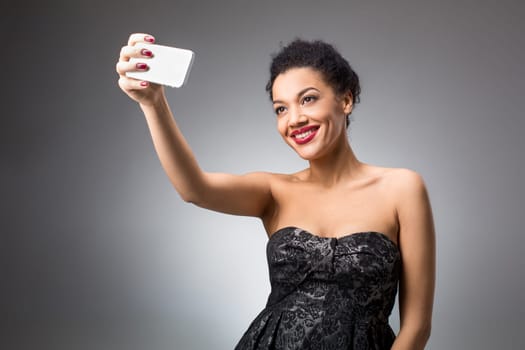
[[327, 293]]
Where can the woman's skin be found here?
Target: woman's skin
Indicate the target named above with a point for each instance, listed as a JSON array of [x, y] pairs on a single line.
[[336, 195]]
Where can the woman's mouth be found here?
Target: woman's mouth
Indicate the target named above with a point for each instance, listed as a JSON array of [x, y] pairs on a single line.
[[304, 135]]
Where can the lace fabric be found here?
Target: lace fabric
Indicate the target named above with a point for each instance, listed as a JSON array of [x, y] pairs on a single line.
[[327, 293]]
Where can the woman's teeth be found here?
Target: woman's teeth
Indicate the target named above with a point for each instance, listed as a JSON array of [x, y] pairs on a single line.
[[304, 134]]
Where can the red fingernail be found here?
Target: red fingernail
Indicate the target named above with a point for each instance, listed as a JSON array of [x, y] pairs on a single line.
[[149, 38], [146, 52], [143, 83], [141, 66]]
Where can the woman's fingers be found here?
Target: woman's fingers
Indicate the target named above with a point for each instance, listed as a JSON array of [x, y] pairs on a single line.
[[140, 37], [128, 84], [131, 51], [124, 66]]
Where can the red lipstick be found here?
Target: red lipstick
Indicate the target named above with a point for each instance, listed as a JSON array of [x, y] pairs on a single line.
[[305, 134]]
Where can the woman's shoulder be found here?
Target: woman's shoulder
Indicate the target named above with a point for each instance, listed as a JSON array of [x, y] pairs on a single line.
[[273, 178], [405, 178], [396, 175], [398, 181], [403, 184], [281, 177]]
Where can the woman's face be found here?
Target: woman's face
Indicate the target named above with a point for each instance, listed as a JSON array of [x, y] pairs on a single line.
[[311, 117]]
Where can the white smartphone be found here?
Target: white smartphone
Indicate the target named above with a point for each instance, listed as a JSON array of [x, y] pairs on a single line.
[[169, 65]]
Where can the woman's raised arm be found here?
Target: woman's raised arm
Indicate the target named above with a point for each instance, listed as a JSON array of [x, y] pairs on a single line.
[[248, 194]]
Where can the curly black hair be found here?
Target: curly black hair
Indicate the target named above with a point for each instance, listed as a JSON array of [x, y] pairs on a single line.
[[322, 57]]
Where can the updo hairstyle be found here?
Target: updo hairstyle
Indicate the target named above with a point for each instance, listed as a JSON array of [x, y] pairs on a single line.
[[321, 57]]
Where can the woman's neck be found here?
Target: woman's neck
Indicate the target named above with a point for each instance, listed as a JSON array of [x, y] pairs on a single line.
[[339, 166]]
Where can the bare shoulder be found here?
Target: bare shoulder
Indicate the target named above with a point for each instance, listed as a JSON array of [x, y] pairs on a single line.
[[280, 178], [273, 181], [396, 179], [401, 180], [407, 179], [409, 192], [259, 176], [404, 187], [266, 176]]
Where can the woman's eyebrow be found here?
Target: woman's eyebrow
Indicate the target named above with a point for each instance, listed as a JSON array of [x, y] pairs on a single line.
[[298, 94]]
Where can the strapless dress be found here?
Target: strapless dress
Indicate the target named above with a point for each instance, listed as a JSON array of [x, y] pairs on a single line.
[[327, 293]]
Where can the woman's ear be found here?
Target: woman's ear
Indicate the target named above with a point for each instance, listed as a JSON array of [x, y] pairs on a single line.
[[348, 103]]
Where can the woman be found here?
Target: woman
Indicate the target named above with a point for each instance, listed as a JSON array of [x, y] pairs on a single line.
[[342, 233]]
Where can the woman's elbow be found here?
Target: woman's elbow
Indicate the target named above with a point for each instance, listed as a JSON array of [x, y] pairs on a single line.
[[189, 197], [422, 334], [187, 192], [416, 335], [426, 331]]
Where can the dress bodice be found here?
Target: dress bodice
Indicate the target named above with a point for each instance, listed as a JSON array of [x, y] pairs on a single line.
[[327, 293]]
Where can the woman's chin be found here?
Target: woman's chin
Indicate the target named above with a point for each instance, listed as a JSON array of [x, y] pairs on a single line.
[[308, 156], [307, 152]]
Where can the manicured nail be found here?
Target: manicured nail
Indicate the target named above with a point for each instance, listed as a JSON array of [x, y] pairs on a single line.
[[149, 38], [141, 65], [146, 52], [143, 83]]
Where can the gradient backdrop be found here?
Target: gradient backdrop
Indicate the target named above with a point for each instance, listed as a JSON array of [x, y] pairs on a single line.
[[97, 250]]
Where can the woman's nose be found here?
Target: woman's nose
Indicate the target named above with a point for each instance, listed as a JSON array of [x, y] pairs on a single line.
[[297, 117]]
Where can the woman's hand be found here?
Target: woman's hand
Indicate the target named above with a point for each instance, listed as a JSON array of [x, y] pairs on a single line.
[[145, 93]]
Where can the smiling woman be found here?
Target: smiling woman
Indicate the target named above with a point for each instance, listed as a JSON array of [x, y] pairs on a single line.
[[322, 58], [344, 235], [310, 116]]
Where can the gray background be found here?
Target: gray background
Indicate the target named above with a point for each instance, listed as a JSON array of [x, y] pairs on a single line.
[[99, 252]]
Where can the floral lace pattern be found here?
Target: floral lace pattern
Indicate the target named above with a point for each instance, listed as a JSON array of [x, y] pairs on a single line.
[[327, 293]]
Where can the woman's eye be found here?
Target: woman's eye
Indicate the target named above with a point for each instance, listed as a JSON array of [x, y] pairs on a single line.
[[279, 110], [307, 99]]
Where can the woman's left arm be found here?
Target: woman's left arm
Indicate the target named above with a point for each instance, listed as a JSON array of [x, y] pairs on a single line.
[[417, 244]]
